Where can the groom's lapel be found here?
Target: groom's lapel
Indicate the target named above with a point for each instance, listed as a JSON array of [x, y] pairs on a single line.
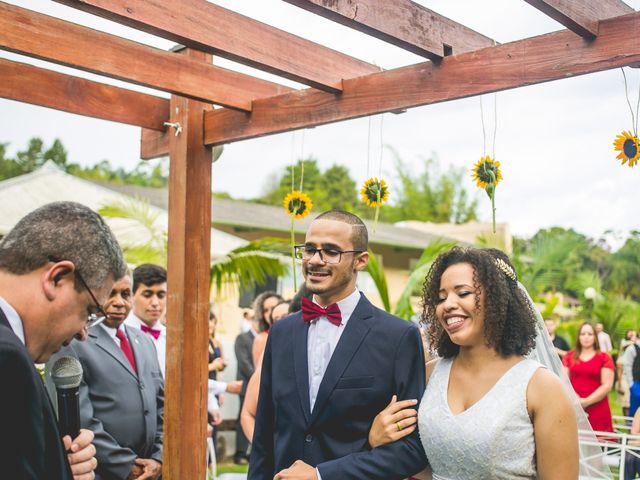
[[300, 363], [356, 330]]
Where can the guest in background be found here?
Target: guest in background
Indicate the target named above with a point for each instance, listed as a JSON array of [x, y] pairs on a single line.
[[631, 372], [561, 345], [149, 306], [591, 374], [262, 306], [603, 339], [631, 460], [122, 392], [250, 406]]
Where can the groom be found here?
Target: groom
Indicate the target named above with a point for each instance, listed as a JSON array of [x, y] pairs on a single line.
[[330, 369]]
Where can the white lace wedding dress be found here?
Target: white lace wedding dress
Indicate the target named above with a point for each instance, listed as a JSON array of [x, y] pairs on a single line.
[[492, 439]]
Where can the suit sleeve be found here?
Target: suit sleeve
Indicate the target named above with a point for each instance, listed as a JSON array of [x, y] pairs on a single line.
[[261, 465], [156, 453], [404, 457], [22, 453], [242, 348], [111, 457]]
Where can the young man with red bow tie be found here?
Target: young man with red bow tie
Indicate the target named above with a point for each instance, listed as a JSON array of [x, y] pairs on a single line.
[[149, 306], [329, 369]]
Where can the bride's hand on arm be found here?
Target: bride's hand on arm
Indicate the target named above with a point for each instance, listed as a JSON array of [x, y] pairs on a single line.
[[396, 421]]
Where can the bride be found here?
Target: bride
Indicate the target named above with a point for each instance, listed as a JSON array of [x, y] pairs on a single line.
[[487, 412]]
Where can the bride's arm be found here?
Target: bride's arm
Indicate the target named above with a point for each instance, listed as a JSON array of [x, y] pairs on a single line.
[[554, 426]]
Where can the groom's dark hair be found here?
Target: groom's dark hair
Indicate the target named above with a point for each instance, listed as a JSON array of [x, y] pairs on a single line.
[[359, 234], [509, 319]]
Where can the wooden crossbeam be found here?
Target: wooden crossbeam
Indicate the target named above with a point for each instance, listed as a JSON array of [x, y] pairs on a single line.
[[525, 62], [38, 86], [403, 23], [207, 27], [581, 16], [41, 36]]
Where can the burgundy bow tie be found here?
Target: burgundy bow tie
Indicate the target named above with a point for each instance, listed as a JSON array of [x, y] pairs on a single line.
[[153, 331], [311, 311]]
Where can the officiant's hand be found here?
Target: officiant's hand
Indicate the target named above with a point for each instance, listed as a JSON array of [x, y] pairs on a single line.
[[298, 471], [396, 421]]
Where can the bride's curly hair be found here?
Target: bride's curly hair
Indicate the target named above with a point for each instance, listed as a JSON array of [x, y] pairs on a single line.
[[509, 321]]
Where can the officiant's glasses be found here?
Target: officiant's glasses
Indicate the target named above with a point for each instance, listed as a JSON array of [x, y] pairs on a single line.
[[327, 255], [93, 319]]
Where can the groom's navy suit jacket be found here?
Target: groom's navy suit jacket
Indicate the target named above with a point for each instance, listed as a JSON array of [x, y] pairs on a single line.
[[377, 356]]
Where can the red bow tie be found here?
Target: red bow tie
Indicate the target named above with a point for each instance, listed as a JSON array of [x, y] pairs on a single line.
[[153, 331], [311, 311]]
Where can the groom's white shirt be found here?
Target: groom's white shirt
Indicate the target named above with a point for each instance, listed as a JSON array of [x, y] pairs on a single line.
[[322, 338]]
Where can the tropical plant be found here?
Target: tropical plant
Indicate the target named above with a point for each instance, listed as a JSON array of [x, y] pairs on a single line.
[[404, 308], [244, 266]]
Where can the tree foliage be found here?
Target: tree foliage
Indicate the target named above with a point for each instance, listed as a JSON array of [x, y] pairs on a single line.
[[36, 154]]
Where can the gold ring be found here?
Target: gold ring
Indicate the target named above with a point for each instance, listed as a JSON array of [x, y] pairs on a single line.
[[398, 426]]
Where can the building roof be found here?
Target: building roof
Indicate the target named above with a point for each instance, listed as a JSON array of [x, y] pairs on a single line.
[[23, 194], [241, 213]]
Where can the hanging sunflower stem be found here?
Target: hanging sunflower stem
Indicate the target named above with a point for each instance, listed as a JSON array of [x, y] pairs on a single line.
[[374, 194], [493, 211], [487, 174], [293, 255]]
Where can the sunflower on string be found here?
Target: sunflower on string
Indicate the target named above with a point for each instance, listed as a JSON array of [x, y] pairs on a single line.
[[629, 147], [487, 174], [297, 204], [374, 194]]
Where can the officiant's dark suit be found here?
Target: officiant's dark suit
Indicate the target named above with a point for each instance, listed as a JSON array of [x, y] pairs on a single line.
[[377, 355], [31, 448]]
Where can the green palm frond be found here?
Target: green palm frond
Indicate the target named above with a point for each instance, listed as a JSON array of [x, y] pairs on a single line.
[[404, 309], [376, 272]]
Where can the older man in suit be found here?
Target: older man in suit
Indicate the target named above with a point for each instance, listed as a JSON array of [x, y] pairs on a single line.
[[56, 265], [122, 393], [329, 369]]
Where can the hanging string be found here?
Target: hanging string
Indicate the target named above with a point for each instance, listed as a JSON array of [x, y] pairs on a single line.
[[484, 133], [293, 158], [368, 145], [495, 122], [302, 161], [634, 116], [381, 147]]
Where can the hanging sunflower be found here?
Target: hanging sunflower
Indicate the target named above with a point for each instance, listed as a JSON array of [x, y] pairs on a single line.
[[374, 192], [629, 147], [297, 204], [487, 174]]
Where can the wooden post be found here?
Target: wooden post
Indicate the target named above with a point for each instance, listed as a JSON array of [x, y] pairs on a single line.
[[185, 410]]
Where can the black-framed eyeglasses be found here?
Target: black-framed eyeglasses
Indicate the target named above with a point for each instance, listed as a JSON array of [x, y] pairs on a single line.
[[93, 319], [327, 255]]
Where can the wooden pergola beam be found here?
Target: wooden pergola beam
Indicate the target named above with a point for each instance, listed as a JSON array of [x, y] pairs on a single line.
[[403, 23], [525, 62], [579, 16], [207, 27], [38, 86], [48, 38]]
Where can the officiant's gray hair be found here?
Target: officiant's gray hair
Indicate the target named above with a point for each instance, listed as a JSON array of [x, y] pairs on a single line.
[[359, 233]]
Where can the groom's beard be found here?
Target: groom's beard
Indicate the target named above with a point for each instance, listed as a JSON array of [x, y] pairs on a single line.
[[336, 280]]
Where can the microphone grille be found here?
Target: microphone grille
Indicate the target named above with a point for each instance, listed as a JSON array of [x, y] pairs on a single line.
[[66, 372]]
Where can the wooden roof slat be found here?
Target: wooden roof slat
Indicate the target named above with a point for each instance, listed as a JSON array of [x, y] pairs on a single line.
[[580, 16], [48, 38], [207, 27], [38, 86], [403, 23], [525, 62]]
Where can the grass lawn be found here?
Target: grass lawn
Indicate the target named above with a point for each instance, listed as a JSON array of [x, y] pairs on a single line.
[[230, 467]]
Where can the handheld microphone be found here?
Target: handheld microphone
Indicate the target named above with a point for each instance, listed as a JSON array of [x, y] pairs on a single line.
[[66, 374]]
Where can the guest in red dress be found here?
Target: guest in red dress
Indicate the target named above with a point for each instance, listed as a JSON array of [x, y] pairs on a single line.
[[591, 374]]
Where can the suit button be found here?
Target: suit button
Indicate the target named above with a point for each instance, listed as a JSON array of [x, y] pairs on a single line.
[[141, 386], [146, 412], [308, 438]]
